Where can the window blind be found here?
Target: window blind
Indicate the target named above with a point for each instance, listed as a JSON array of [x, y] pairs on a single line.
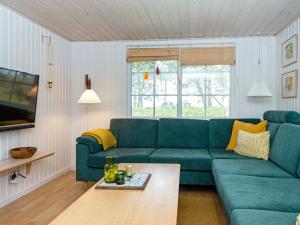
[[207, 56], [152, 54]]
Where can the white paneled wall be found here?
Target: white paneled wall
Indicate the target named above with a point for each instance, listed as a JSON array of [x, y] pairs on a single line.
[[105, 62], [287, 103], [21, 49]]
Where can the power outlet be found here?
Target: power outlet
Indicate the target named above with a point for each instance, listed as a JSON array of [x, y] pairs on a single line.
[[12, 181], [13, 178]]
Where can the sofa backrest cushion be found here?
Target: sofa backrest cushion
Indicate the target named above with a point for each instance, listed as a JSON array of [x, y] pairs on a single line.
[[282, 117], [135, 133], [272, 128], [220, 131], [183, 133], [276, 117], [285, 150]]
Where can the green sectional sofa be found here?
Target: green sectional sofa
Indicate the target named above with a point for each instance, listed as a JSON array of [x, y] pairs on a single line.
[[190, 142], [252, 191]]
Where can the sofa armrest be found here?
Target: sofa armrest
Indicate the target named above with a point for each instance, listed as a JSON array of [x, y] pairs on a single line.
[[91, 142], [82, 168]]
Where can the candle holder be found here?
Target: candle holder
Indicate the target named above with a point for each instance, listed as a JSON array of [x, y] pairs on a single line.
[[120, 177], [129, 170]]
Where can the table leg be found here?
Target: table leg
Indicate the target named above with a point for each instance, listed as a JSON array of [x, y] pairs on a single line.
[[86, 185]]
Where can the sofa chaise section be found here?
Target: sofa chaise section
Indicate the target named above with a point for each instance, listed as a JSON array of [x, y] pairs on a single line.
[[264, 185]]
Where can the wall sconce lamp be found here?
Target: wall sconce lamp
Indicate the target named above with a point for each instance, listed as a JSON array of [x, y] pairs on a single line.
[[89, 96]]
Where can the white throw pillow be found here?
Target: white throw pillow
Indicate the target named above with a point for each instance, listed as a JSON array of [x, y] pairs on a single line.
[[298, 220], [253, 145]]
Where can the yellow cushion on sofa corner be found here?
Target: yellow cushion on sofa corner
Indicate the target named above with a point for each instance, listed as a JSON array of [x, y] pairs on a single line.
[[248, 127], [253, 145]]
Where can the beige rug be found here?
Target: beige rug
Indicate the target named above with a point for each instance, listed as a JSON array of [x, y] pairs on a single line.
[[200, 206]]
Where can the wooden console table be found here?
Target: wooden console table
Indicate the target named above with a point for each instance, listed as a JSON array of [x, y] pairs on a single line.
[[11, 164]]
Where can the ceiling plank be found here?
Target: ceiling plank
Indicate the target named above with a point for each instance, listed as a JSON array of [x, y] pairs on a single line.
[[107, 20]]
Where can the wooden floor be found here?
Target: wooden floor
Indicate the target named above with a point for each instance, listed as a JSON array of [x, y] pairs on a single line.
[[43, 204], [200, 205], [197, 205]]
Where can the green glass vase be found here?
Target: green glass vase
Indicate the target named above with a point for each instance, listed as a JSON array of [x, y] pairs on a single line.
[[110, 169]]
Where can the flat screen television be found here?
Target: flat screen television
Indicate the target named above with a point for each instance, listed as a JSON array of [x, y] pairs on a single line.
[[18, 99]]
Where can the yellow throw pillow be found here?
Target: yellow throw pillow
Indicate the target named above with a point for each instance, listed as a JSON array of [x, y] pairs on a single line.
[[253, 145], [248, 127]]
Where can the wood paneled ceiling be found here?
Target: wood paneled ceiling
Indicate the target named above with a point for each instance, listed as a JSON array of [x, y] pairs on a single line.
[[106, 20]]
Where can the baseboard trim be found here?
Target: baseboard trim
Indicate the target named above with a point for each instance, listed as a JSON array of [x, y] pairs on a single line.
[[14, 197], [73, 167]]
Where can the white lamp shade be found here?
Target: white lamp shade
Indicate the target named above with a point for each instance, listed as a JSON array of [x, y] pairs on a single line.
[[259, 89], [89, 96]]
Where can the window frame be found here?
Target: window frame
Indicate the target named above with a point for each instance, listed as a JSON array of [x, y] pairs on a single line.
[[179, 95]]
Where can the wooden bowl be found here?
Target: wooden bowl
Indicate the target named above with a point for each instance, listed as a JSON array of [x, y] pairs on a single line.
[[22, 152]]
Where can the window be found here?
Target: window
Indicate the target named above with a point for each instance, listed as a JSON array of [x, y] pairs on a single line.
[[205, 91], [157, 95], [191, 91]]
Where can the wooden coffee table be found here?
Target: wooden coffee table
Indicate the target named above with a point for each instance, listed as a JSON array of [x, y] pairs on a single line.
[[156, 205]]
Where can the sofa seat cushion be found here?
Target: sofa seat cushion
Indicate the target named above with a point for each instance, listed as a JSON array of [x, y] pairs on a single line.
[[130, 155], [189, 159], [223, 154], [262, 217], [250, 167], [265, 193]]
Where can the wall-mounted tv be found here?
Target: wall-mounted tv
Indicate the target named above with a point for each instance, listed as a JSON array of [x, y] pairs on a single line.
[[18, 99]]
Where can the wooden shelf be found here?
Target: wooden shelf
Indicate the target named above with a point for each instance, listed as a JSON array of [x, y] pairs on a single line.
[[10, 164]]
